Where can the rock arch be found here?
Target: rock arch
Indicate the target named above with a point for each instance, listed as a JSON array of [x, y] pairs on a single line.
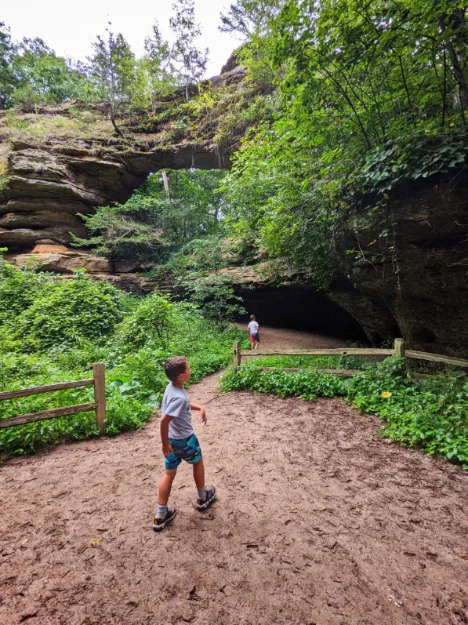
[[49, 187]]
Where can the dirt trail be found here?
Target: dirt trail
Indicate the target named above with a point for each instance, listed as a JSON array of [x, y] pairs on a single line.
[[280, 338], [316, 523]]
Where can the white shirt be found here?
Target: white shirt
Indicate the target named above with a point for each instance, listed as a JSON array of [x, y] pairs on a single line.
[[253, 327]]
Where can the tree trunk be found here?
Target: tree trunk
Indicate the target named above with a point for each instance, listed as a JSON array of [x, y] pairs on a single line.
[[112, 117], [166, 184], [456, 20], [459, 76], [117, 130]]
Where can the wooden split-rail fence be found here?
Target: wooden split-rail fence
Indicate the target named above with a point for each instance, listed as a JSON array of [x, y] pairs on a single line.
[[99, 403], [399, 349]]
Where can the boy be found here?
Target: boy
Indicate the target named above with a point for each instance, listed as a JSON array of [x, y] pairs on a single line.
[[179, 441], [254, 335]]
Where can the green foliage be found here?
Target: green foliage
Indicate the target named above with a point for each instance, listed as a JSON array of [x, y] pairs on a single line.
[[371, 94], [204, 283], [150, 225], [310, 362], [42, 76], [152, 319], [431, 414], [189, 61], [153, 77], [18, 290], [68, 312], [250, 18], [112, 70], [7, 77], [215, 296], [419, 154], [291, 218], [66, 326], [306, 385]]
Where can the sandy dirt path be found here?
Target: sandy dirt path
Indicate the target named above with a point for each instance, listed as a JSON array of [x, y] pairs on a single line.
[[315, 524]]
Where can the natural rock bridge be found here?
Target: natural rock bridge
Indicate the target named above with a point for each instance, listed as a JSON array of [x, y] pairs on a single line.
[[50, 180], [48, 188], [401, 270]]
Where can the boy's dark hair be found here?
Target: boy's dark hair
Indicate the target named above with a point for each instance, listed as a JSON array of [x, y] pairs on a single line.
[[175, 366], [252, 317]]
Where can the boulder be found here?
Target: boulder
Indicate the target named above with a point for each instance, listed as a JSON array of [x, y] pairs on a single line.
[[63, 262], [47, 246]]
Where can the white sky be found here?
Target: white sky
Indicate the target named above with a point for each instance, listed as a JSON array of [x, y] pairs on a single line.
[[69, 28]]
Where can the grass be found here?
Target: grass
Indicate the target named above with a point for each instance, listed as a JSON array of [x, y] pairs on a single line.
[[41, 128], [310, 362]]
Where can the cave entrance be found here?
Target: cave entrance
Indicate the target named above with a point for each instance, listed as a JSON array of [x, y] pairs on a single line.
[[301, 309]]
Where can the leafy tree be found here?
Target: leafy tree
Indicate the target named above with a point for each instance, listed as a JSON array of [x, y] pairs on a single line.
[[112, 69], [189, 61], [204, 283], [153, 73], [150, 225], [37, 75], [250, 18], [371, 93], [7, 77], [253, 21]]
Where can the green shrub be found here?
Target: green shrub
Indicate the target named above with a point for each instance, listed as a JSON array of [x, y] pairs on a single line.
[[18, 290], [133, 351], [305, 384], [68, 312], [150, 320], [125, 414]]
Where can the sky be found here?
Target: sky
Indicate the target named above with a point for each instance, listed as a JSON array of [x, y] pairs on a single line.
[[69, 28]]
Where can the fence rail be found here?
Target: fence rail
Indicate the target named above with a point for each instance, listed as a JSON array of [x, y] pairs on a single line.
[[399, 349], [99, 404]]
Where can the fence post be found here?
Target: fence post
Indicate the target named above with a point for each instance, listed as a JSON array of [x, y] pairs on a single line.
[[236, 356], [399, 347], [100, 395]]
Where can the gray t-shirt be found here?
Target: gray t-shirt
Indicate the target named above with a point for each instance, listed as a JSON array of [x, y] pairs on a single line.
[[176, 404]]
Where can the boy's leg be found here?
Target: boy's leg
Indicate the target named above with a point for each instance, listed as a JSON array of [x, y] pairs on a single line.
[[206, 496], [163, 513], [165, 486], [199, 474]]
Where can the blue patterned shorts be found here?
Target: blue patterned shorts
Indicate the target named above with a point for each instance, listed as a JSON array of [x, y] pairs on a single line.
[[187, 449]]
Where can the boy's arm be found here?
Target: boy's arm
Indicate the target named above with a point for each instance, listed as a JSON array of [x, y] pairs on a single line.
[[164, 430], [202, 412]]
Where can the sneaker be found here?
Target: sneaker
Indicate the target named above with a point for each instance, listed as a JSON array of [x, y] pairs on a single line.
[[160, 524], [210, 495]]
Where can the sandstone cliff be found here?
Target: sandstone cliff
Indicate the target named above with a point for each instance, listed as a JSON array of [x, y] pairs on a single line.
[[402, 269], [64, 161]]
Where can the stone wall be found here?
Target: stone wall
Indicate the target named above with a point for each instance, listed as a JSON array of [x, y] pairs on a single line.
[[408, 275]]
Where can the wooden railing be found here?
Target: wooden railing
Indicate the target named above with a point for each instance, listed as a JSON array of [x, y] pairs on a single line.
[[99, 403], [398, 350]]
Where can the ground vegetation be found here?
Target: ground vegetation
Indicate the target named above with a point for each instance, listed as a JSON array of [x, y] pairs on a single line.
[[429, 413], [53, 330]]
